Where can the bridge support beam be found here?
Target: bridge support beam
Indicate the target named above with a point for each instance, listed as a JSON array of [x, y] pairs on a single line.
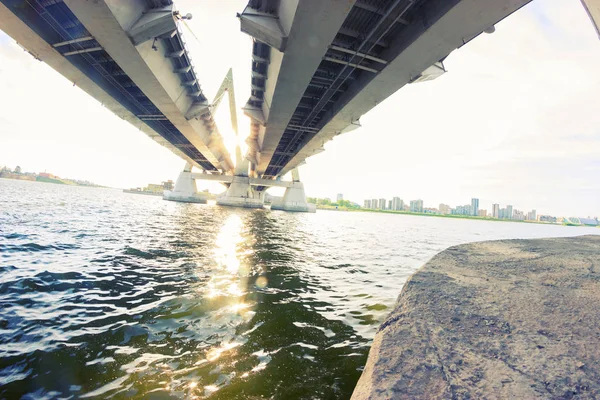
[[185, 189], [294, 198], [241, 194], [241, 191]]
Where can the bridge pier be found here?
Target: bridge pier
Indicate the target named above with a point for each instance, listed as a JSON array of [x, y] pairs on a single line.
[[185, 189], [294, 198], [241, 194], [241, 191]]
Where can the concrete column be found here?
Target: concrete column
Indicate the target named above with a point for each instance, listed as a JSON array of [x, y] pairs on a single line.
[[294, 198], [241, 194], [185, 188]]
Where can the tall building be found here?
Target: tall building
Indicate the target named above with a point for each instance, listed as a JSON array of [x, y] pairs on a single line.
[[367, 203], [168, 185], [420, 205], [374, 204], [397, 204], [518, 215], [340, 196], [459, 210], [382, 204], [495, 210], [474, 206], [462, 210], [445, 208], [531, 215], [509, 212], [390, 205], [482, 213], [416, 206]]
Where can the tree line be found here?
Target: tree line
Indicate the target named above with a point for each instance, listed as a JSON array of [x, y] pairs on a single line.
[[328, 202]]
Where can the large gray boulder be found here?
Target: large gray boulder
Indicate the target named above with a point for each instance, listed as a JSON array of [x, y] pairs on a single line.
[[509, 319]]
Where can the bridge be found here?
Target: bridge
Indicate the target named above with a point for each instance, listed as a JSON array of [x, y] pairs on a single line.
[[317, 67]]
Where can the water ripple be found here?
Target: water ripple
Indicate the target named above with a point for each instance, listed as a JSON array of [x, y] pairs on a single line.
[[106, 294]]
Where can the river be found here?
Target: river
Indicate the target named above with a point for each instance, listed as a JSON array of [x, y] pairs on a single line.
[[109, 294]]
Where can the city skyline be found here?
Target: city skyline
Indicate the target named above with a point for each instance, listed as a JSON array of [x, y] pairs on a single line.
[[508, 212], [395, 203], [519, 134]]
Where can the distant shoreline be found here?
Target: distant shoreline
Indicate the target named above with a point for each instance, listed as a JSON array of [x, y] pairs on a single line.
[[55, 181], [328, 208], [455, 216]]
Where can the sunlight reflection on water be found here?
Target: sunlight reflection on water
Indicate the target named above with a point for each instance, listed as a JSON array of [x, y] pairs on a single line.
[[113, 294]]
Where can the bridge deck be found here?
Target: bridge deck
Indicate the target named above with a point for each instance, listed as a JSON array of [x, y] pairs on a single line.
[[362, 63], [58, 26]]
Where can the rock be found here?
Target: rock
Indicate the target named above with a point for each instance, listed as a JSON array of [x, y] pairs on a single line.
[[498, 320]]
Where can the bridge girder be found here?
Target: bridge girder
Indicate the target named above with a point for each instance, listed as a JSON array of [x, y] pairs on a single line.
[[130, 56], [282, 69], [377, 48]]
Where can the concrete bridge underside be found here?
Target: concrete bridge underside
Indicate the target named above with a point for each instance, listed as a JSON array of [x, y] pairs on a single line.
[[319, 66], [130, 56]]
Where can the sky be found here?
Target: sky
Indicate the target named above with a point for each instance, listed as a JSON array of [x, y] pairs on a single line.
[[515, 120]]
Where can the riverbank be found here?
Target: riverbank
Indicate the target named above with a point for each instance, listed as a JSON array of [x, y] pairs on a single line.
[[452, 216], [45, 179], [506, 319], [144, 192]]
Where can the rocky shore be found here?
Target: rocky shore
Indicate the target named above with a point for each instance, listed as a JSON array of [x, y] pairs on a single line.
[[510, 319]]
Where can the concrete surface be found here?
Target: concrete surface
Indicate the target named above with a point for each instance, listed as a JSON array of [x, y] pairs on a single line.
[[510, 319]]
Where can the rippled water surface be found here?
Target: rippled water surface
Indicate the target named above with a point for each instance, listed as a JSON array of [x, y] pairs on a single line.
[[107, 294]]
